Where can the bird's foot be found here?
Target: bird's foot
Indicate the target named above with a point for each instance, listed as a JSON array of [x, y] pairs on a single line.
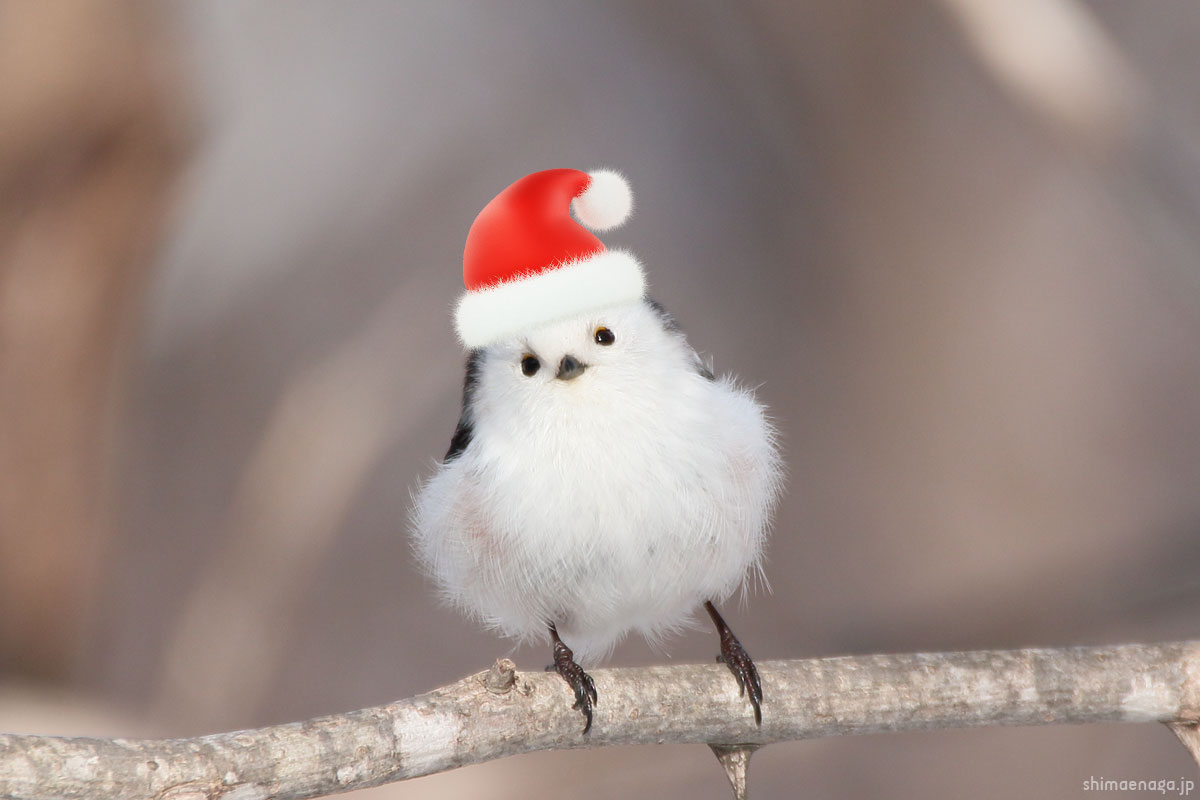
[[734, 656], [580, 682]]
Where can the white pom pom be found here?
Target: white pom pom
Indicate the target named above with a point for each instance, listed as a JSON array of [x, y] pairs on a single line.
[[606, 202]]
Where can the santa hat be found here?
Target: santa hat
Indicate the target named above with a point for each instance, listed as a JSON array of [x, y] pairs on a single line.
[[528, 262]]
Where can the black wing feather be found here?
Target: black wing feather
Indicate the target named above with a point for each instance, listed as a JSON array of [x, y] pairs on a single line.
[[466, 429], [670, 324]]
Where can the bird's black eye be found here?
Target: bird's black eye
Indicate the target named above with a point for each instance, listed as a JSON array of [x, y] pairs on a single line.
[[530, 365], [604, 336]]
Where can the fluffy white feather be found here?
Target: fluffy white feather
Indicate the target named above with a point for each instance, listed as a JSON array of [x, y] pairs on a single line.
[[618, 501]]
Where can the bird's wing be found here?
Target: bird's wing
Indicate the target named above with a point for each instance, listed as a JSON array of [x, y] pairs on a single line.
[[465, 428]]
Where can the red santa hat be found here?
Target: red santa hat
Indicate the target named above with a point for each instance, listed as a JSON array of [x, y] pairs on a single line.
[[528, 262]]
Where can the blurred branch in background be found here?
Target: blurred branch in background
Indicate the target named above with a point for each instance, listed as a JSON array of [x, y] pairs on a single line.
[[88, 148], [1057, 62], [502, 713], [1053, 58], [330, 426]]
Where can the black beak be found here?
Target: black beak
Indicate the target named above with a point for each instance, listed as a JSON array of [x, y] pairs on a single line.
[[569, 368]]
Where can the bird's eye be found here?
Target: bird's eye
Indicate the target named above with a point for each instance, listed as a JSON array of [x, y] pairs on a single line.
[[530, 365], [604, 336]]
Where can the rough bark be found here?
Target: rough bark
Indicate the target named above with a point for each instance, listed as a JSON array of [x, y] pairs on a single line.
[[495, 714]]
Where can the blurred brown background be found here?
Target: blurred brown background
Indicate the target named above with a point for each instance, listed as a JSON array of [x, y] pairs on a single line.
[[955, 241]]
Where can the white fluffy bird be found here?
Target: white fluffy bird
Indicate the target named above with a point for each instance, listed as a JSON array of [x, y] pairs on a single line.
[[601, 480]]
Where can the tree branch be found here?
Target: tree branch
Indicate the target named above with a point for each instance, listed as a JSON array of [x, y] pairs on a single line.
[[501, 713]]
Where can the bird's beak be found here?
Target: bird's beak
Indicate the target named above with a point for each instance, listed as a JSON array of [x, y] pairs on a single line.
[[569, 368]]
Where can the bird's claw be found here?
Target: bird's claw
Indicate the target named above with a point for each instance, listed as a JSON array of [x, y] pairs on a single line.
[[734, 656], [580, 682]]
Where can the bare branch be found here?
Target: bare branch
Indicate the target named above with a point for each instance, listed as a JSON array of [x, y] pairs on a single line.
[[483, 717], [1188, 736], [735, 759]]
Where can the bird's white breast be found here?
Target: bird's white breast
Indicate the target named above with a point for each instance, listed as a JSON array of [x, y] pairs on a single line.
[[605, 504]]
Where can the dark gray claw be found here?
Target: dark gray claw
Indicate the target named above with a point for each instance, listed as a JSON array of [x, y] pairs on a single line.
[[734, 656], [580, 682]]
